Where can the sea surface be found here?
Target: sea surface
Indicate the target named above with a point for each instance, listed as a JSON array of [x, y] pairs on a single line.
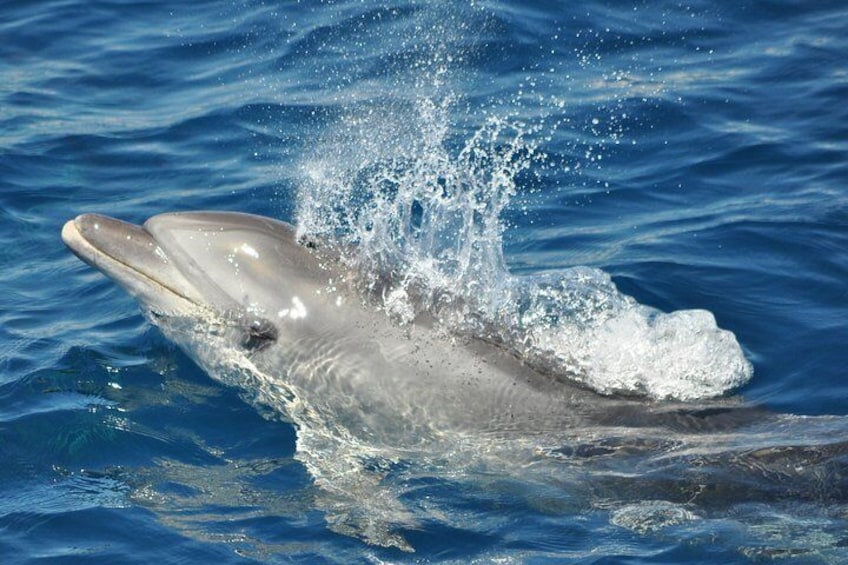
[[693, 153]]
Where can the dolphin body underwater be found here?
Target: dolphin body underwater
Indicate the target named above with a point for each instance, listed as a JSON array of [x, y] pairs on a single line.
[[257, 309]]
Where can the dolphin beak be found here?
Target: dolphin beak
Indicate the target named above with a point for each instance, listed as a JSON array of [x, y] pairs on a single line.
[[129, 254], [91, 235]]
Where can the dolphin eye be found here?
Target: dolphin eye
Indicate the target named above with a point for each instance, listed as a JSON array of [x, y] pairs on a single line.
[[257, 333]]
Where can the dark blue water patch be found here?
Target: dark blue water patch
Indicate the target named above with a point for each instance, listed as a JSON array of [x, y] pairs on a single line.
[[75, 432], [703, 555], [55, 30], [104, 535], [235, 427], [569, 538], [337, 55], [445, 543]]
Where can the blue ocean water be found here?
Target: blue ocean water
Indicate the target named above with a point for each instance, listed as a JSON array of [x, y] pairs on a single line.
[[697, 153]]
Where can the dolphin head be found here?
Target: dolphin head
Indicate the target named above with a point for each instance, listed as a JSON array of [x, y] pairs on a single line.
[[246, 269]]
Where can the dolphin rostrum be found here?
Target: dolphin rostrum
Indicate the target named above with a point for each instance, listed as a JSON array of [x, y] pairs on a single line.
[[256, 308]]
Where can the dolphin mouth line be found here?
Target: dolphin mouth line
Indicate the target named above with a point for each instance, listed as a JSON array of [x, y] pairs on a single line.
[[102, 260]]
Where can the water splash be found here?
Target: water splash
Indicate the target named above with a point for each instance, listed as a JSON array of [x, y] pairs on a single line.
[[417, 215], [403, 206]]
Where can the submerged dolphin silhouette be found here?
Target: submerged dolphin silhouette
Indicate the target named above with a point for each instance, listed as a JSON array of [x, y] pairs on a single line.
[[257, 309]]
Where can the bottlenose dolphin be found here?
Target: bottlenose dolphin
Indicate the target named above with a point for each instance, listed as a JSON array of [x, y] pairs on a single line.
[[258, 309], [288, 309]]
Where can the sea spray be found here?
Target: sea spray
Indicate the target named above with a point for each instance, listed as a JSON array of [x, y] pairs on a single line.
[[417, 217]]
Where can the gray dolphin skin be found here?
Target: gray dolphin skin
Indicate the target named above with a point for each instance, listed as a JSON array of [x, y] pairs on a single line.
[[258, 310], [288, 309]]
